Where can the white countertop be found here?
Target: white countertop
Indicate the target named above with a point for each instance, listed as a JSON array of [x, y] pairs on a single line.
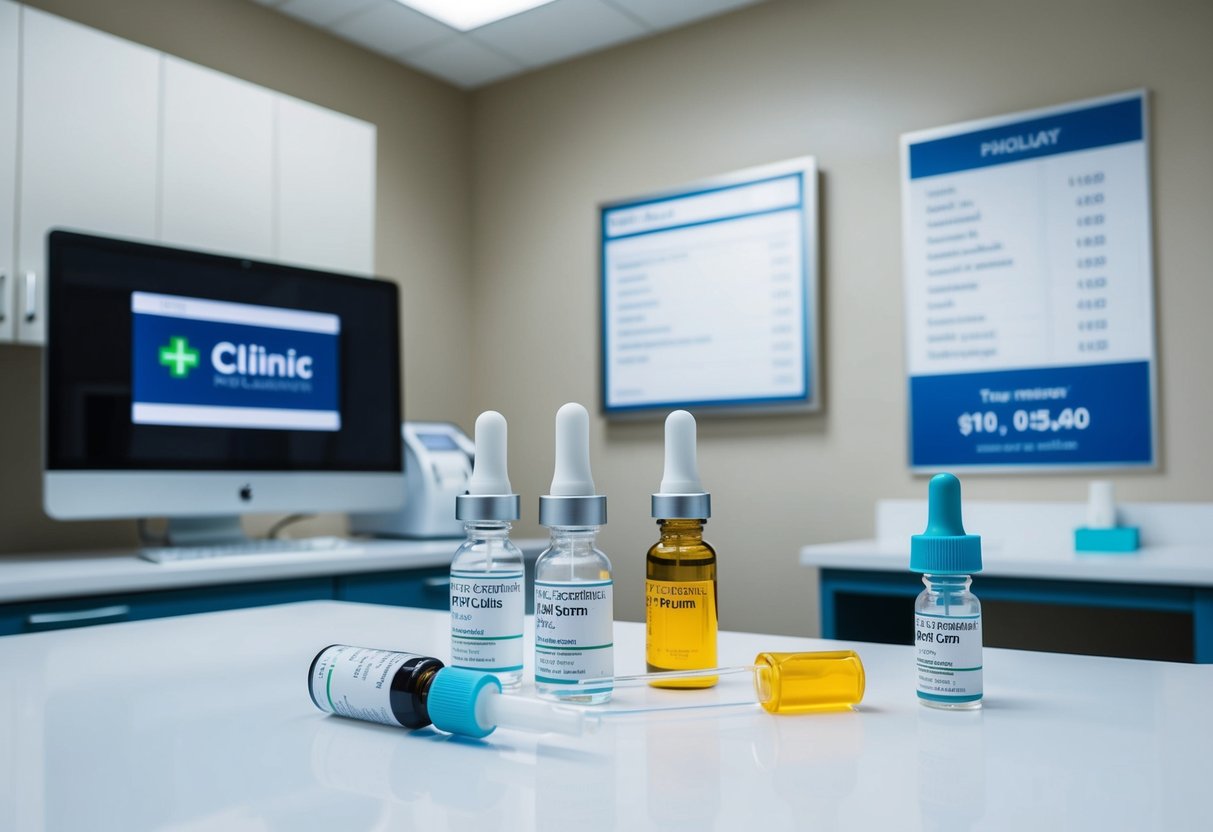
[[204, 723], [1184, 565], [62, 575]]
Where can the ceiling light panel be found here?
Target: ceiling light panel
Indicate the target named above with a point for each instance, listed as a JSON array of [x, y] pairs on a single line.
[[465, 15]]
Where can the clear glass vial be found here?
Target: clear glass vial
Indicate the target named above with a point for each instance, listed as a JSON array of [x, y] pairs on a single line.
[[956, 614], [573, 559], [490, 559]]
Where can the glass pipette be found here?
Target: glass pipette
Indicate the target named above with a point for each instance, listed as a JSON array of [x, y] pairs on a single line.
[[784, 683]]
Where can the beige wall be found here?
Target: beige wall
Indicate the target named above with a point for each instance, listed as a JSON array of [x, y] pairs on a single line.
[[838, 79], [423, 217]]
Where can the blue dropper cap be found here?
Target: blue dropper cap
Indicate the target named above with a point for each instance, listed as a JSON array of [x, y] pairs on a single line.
[[451, 701], [944, 548]]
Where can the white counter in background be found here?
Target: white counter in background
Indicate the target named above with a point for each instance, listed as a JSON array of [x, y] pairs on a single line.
[[204, 723], [61, 575]]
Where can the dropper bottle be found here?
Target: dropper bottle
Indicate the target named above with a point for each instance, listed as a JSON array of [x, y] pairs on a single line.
[[487, 600], [947, 617], [680, 570], [574, 590], [409, 690]]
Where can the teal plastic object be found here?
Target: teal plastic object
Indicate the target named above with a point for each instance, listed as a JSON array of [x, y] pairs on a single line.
[[944, 548], [451, 701], [1120, 539]]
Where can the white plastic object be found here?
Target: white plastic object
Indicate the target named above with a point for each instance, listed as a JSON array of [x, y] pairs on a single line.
[[572, 477], [495, 708], [1101, 505], [681, 475], [490, 472]]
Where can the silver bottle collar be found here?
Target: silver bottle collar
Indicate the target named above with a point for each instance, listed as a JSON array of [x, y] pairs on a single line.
[[497, 507], [590, 510], [682, 506]]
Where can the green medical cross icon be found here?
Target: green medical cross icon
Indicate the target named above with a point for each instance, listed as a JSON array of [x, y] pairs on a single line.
[[178, 357]]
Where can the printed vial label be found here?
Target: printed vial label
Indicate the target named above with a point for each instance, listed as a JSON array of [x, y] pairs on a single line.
[[357, 682], [486, 620], [680, 621], [574, 631], [948, 649]]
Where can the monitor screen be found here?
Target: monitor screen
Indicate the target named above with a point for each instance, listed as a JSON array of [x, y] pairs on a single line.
[[709, 295], [164, 360]]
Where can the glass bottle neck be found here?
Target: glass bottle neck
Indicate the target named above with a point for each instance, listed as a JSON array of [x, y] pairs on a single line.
[[681, 529], [574, 534], [947, 583], [487, 530]]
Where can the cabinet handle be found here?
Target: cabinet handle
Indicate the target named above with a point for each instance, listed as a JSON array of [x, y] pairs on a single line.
[[437, 582], [48, 619], [31, 297], [3, 298]]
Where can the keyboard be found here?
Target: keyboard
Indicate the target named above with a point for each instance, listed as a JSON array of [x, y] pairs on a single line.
[[244, 548]]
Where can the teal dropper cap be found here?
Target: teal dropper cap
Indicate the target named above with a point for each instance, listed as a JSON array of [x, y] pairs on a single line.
[[944, 548]]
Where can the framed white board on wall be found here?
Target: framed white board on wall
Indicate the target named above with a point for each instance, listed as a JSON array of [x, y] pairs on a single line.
[[709, 295], [1029, 290]]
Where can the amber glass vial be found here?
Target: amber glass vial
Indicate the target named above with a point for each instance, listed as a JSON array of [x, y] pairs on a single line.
[[680, 603]]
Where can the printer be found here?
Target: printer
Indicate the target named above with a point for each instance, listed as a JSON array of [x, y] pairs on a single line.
[[437, 465]]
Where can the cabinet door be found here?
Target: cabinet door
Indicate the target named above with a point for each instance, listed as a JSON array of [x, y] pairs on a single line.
[[326, 188], [9, 27], [216, 181], [88, 158]]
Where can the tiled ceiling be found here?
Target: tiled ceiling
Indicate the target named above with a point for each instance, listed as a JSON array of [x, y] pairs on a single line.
[[545, 35]]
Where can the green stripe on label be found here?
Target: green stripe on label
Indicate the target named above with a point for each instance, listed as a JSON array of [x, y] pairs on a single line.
[[550, 681], [328, 690], [487, 669], [485, 638], [922, 666], [595, 647]]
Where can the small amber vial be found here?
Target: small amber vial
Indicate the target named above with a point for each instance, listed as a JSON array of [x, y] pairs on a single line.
[[680, 603]]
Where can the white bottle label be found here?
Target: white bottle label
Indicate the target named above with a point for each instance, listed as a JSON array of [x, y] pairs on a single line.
[[948, 650], [574, 632], [487, 609], [357, 682]]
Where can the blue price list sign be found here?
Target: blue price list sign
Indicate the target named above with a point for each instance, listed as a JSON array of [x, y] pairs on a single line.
[[1097, 414], [1029, 289]]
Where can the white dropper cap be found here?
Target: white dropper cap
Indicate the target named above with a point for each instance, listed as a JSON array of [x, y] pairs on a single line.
[[572, 477], [681, 474], [490, 474], [681, 494], [573, 502], [1101, 505], [489, 496]]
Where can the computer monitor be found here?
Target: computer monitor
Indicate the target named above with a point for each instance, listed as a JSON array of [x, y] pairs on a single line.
[[193, 385]]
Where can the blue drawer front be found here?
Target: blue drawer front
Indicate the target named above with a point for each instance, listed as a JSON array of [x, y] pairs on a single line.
[[426, 588]]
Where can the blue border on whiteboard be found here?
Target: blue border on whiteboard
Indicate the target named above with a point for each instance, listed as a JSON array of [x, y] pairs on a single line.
[[979, 125], [797, 169]]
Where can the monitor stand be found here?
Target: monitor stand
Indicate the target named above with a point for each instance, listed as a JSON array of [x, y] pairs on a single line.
[[205, 531]]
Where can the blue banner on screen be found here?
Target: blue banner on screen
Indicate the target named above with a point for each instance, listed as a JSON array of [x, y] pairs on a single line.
[[1050, 416], [205, 363]]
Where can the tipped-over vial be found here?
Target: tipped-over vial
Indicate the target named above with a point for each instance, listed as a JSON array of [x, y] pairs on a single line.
[[408, 690]]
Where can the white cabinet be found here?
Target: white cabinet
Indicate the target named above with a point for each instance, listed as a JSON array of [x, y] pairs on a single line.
[[89, 141], [10, 15], [216, 182], [326, 188]]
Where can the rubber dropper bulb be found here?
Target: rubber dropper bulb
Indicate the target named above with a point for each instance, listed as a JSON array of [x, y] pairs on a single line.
[[572, 476], [490, 473], [943, 507], [681, 475]]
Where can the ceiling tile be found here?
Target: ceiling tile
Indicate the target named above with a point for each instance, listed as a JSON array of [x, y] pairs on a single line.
[[323, 12], [663, 14], [559, 30], [463, 62], [390, 28]]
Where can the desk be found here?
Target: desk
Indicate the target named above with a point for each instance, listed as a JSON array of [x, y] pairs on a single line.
[[100, 587], [204, 723]]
